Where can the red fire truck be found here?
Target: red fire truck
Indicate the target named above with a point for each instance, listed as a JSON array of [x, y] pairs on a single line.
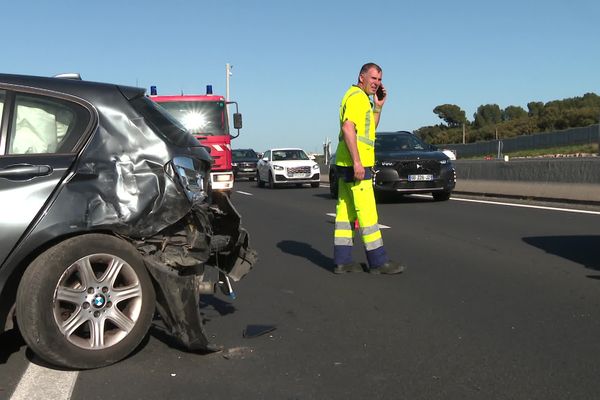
[[206, 117]]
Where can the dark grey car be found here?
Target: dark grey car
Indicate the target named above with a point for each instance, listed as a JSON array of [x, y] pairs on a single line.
[[244, 163], [106, 215], [405, 164]]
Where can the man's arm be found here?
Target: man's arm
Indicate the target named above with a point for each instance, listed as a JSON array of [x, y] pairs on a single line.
[[349, 131], [377, 115]]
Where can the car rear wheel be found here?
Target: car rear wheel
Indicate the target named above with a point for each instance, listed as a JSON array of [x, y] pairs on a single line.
[[86, 302], [441, 196]]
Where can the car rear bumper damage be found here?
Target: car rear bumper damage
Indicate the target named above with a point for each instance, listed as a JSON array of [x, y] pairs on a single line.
[[178, 260]]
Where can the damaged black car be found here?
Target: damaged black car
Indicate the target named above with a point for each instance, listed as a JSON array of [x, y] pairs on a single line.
[[107, 219]]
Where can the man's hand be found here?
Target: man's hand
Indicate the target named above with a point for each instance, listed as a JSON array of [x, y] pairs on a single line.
[[359, 172], [379, 103]]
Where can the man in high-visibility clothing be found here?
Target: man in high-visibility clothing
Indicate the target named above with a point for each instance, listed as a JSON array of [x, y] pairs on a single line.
[[355, 158]]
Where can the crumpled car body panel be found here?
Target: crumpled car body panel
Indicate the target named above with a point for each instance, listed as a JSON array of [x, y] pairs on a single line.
[[123, 182]]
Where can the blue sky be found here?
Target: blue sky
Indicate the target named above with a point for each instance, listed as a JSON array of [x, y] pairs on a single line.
[[292, 61]]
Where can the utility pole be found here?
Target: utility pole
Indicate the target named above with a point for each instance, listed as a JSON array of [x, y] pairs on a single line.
[[326, 150], [227, 75], [464, 134]]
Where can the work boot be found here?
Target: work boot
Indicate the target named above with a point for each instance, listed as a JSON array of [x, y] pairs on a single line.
[[350, 267], [389, 267]]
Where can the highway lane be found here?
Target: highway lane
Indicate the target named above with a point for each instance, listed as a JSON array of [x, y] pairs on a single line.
[[498, 302]]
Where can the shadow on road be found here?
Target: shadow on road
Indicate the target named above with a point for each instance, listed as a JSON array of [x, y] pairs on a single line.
[[305, 250], [581, 249], [391, 197], [10, 342], [325, 196]]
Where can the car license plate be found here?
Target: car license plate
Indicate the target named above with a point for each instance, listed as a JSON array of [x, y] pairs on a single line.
[[420, 178], [299, 175]]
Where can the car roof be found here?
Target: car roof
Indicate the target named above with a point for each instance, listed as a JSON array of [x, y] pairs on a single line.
[[286, 148], [394, 133], [80, 88]]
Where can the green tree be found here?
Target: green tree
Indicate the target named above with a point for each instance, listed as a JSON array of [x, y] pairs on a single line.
[[512, 113], [451, 114], [431, 134], [512, 121], [488, 114], [535, 108], [549, 118]]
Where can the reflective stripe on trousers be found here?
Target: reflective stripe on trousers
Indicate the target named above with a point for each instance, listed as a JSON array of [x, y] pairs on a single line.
[[356, 200]]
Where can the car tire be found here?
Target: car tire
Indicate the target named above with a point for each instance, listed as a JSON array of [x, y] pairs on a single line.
[[315, 184], [250, 178], [441, 196], [272, 184], [86, 302], [258, 181]]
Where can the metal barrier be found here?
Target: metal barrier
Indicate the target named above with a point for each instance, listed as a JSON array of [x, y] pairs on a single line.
[[586, 135]]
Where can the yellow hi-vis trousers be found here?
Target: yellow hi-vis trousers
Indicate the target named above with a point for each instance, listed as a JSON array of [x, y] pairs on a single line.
[[356, 200]]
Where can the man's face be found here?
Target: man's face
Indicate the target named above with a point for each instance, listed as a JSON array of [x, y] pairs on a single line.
[[370, 81]]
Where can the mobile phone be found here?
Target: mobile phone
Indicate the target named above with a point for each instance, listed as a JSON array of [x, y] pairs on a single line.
[[380, 93]]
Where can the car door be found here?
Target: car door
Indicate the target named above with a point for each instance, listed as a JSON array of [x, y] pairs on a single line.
[[263, 166], [38, 143]]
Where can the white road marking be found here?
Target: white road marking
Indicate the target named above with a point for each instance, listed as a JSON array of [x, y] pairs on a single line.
[[571, 210], [43, 383], [246, 193], [381, 226], [500, 203]]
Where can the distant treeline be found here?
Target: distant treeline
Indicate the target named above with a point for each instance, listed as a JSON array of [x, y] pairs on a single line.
[[491, 122]]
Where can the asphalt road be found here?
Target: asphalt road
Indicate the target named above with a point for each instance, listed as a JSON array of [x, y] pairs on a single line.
[[498, 302]]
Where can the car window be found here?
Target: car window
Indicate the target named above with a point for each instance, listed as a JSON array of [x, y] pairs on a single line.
[[402, 142], [280, 155], [267, 155], [415, 143], [236, 153], [43, 125], [163, 123], [243, 154], [2, 97]]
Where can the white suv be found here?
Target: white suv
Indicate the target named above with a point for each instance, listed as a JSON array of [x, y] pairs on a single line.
[[287, 166]]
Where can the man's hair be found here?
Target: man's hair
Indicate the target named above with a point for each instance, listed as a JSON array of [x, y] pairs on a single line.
[[368, 66]]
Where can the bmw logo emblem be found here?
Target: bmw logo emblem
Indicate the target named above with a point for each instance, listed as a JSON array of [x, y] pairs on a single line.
[[98, 301]]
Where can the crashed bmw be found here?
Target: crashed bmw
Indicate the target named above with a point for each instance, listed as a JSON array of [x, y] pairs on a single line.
[[106, 217]]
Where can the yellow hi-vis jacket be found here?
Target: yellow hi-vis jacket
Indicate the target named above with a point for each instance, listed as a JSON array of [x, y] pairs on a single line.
[[356, 107]]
